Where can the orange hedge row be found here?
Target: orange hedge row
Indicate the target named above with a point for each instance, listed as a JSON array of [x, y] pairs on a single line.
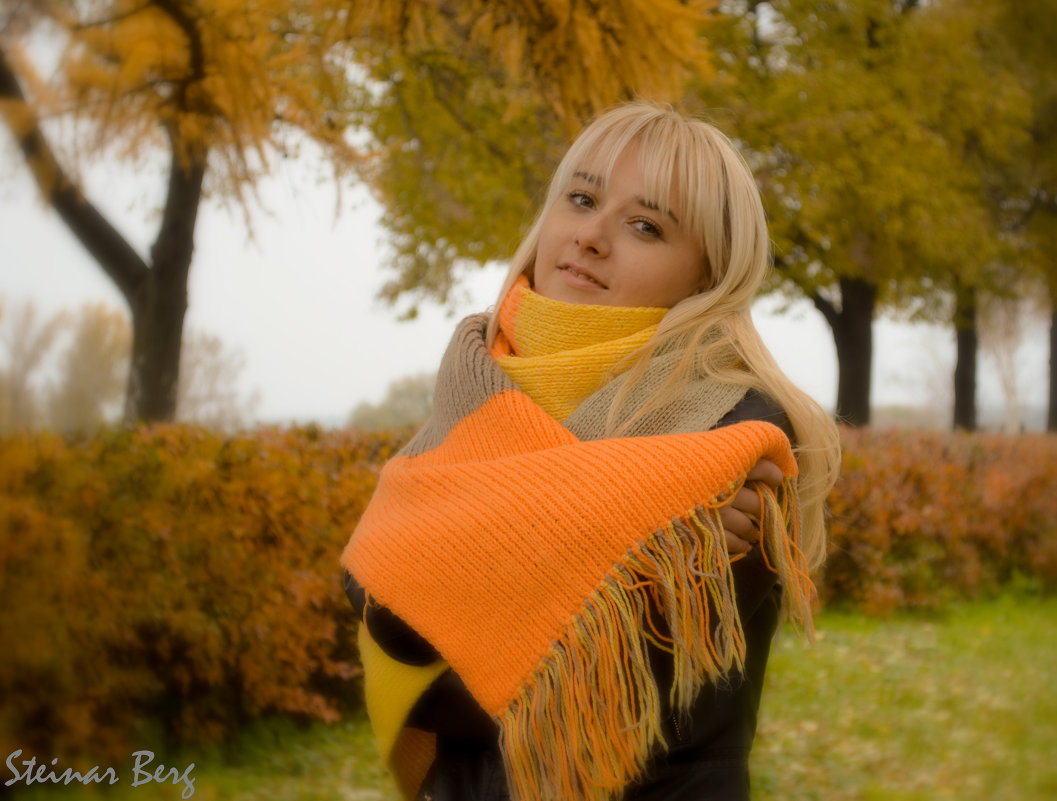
[[919, 518], [166, 582], [170, 584]]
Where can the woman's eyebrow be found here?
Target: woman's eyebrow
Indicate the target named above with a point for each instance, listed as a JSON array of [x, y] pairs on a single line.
[[652, 205]]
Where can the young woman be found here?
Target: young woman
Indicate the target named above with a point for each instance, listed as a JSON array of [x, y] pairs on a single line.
[[570, 577]]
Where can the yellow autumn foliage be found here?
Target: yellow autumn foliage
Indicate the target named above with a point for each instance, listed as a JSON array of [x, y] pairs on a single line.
[[226, 76]]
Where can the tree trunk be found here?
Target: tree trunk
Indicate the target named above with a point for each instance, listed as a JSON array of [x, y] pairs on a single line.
[[160, 301], [968, 344], [1051, 417], [157, 333], [156, 293], [852, 327]]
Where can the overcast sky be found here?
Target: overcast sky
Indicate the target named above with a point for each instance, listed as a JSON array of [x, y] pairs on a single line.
[[299, 300]]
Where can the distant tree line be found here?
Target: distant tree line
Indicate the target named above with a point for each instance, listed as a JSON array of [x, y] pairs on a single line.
[[407, 402], [68, 372]]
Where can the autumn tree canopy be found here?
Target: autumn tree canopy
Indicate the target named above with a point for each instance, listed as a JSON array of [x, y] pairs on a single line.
[[219, 87], [223, 87], [869, 123], [873, 127], [905, 148]]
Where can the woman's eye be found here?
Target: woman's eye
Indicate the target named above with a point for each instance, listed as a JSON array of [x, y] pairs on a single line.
[[648, 227], [582, 199]]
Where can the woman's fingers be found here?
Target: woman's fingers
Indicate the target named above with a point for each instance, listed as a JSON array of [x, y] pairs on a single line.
[[736, 545], [746, 503], [740, 531], [767, 472], [740, 516]]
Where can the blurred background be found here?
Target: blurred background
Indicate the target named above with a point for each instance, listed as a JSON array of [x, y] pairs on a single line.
[[279, 207], [235, 238]]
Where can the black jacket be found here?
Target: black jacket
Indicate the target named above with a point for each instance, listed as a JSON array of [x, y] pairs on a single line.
[[709, 748]]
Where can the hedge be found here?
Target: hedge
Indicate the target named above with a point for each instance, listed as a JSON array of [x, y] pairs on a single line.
[[169, 583], [919, 518]]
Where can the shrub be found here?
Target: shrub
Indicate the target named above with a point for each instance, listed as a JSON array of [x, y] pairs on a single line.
[[166, 581], [920, 517]]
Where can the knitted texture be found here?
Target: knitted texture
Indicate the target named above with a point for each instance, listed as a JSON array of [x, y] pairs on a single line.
[[559, 353], [535, 561], [569, 358]]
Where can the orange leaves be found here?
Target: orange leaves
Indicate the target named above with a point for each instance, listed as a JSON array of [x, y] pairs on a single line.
[[920, 517], [222, 76], [170, 577], [572, 57]]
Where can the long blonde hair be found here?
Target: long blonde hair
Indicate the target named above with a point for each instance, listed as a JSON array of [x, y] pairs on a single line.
[[721, 204]]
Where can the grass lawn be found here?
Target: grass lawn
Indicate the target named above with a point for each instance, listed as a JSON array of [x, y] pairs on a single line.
[[960, 706]]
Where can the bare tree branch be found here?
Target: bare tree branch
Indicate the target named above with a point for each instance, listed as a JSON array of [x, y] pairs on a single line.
[[110, 249], [827, 309]]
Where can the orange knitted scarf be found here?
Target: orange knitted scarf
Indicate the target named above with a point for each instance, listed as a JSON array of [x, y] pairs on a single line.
[[536, 561]]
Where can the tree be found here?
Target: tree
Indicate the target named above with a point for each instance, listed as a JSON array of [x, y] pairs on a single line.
[[28, 342], [1002, 329], [984, 118], [222, 87], [407, 402], [1025, 189], [209, 393], [218, 87], [856, 121], [89, 375], [93, 371]]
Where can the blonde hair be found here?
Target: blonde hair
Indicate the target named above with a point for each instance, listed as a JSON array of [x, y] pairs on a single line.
[[720, 204]]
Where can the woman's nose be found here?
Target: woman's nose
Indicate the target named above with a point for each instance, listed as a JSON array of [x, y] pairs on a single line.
[[593, 236]]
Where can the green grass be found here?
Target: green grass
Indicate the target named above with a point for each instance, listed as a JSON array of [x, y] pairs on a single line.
[[272, 760], [960, 706]]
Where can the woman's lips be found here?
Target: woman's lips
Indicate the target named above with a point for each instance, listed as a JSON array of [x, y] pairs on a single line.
[[576, 276]]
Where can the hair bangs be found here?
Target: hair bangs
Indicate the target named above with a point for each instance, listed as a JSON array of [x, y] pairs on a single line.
[[595, 153], [673, 172]]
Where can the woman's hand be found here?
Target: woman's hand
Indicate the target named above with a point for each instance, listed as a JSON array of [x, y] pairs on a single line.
[[740, 515]]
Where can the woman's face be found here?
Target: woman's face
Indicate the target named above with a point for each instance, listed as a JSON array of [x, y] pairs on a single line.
[[613, 246]]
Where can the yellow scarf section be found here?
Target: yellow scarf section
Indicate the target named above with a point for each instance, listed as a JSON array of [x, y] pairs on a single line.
[[559, 354], [390, 690]]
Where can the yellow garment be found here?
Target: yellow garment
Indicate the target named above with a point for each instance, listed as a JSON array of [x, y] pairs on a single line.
[[391, 689], [559, 353]]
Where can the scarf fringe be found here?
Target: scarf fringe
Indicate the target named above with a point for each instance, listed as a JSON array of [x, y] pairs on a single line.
[[589, 719]]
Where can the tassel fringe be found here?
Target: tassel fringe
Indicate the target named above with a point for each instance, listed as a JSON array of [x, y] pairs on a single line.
[[589, 720]]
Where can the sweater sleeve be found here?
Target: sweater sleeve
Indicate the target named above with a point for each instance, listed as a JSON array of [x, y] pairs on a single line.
[[752, 579], [392, 634], [447, 708], [758, 406]]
